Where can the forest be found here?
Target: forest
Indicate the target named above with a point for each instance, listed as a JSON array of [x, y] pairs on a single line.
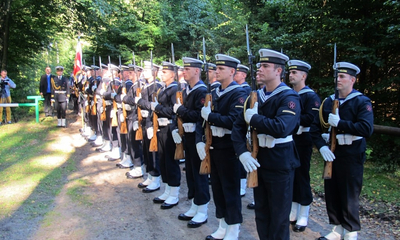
[[37, 33]]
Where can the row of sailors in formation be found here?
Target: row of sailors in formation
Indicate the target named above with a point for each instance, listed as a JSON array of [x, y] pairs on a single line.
[[134, 117]]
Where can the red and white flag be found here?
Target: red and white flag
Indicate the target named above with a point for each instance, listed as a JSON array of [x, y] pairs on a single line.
[[78, 58]]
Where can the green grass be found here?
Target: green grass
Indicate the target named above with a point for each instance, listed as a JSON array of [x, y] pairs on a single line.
[[32, 172], [76, 191], [377, 185]]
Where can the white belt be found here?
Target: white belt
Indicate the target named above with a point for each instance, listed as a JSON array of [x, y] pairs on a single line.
[[270, 142], [219, 131], [144, 113], [162, 122], [128, 107], [306, 129], [60, 91], [189, 127], [119, 105], [302, 129], [108, 102], [98, 97], [347, 139]]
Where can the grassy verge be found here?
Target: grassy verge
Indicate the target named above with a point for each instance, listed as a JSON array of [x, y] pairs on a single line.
[[32, 169], [377, 186]]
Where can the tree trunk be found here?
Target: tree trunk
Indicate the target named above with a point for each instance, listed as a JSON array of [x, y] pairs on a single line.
[[5, 19]]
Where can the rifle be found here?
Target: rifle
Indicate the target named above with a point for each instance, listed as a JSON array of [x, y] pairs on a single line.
[[139, 131], [124, 129], [153, 143], [114, 120], [205, 167], [252, 178], [328, 165], [103, 116], [94, 107], [179, 151]]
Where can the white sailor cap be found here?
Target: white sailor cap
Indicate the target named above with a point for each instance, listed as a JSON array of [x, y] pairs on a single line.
[[113, 67], [242, 68], [147, 65], [180, 68], [346, 67], [268, 55], [59, 68], [104, 66], [212, 66], [225, 60], [168, 66], [132, 67], [299, 65], [192, 62], [86, 68], [94, 67], [123, 67]]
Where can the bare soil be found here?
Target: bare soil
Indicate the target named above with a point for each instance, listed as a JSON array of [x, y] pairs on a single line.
[[110, 206]]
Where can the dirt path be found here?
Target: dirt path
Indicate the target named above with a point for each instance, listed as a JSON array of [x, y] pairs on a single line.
[[109, 206]]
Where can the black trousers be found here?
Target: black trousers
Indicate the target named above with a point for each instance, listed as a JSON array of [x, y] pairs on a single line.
[[225, 184], [301, 185], [169, 167], [107, 131], [61, 109], [48, 110], [99, 129], [151, 159], [133, 147], [75, 102], [343, 190], [197, 184], [273, 198]]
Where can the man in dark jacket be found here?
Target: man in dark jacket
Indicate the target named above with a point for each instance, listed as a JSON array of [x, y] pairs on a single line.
[[45, 89]]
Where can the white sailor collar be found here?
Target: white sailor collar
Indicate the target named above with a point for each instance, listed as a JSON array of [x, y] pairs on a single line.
[[231, 87], [264, 97], [305, 89], [199, 84], [352, 95]]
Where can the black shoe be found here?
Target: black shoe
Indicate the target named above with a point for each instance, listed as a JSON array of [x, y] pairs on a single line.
[[243, 195], [140, 185], [183, 217], [293, 222], [167, 205], [251, 206], [193, 224], [156, 200], [209, 237], [322, 238], [298, 228], [147, 190]]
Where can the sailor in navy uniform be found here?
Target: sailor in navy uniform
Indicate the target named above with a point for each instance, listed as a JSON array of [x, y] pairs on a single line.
[[240, 77], [228, 100], [189, 112], [134, 148], [310, 102], [100, 87], [60, 95], [91, 91], [212, 78], [82, 100], [151, 159], [354, 122], [275, 117], [163, 106]]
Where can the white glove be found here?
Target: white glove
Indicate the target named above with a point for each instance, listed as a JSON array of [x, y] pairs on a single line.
[[150, 133], [325, 136], [177, 105], [121, 117], [144, 113], [67, 101], [334, 119], [327, 154], [250, 112], [175, 135], [205, 111], [136, 126], [52, 100], [122, 96], [138, 98], [113, 94], [300, 131], [153, 105], [94, 88], [102, 92], [249, 163], [201, 150]]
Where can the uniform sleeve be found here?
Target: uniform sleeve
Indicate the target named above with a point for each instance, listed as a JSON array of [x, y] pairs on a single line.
[[310, 109], [316, 129], [364, 124], [166, 110], [284, 122], [107, 93], [193, 115], [239, 131], [235, 108]]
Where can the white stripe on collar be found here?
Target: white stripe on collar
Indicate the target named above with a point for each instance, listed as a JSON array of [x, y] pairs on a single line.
[[226, 90], [305, 90], [350, 96], [188, 91], [277, 90]]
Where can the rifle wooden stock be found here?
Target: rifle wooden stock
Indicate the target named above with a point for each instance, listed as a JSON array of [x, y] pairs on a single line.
[[252, 177], [179, 151], [153, 142], [139, 131], [124, 129], [205, 167], [328, 165], [103, 116], [93, 111], [114, 121]]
